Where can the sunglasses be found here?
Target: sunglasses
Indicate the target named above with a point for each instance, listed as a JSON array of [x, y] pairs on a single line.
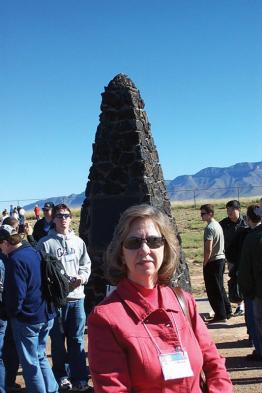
[[202, 214], [134, 243], [62, 216]]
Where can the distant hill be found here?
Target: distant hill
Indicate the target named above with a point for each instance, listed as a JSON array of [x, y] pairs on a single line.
[[245, 177], [211, 182], [72, 200]]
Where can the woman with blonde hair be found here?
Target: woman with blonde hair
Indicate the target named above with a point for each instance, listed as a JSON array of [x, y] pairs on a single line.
[[139, 337]]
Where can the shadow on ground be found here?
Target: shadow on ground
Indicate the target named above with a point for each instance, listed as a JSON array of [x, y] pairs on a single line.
[[225, 325], [237, 363], [246, 381], [234, 344]]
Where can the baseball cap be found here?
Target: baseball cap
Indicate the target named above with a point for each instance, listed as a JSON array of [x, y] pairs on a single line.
[[48, 205], [234, 204], [6, 231]]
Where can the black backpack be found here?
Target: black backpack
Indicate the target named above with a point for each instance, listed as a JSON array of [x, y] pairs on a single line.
[[55, 281]]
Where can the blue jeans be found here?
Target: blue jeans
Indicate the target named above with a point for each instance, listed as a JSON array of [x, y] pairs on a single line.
[[10, 356], [257, 310], [30, 342], [250, 322], [69, 325], [3, 325]]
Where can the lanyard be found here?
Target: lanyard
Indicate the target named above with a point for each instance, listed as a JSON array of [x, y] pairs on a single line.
[[174, 325]]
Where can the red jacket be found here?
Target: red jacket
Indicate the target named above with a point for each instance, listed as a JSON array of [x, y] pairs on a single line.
[[123, 358]]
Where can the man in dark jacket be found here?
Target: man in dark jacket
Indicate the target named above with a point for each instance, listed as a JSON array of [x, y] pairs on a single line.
[[250, 281], [28, 310], [43, 225], [231, 225]]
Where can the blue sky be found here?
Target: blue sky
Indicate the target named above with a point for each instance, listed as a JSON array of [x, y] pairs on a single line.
[[197, 64]]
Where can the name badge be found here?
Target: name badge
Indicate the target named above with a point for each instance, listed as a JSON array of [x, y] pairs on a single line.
[[175, 365], [69, 258]]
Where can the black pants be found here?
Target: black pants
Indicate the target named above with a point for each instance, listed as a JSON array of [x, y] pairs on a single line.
[[213, 276]]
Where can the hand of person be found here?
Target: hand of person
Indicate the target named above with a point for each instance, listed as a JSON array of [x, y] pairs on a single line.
[[75, 282], [28, 230]]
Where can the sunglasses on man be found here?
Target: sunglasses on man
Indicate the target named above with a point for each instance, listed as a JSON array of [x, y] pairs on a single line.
[[61, 216]]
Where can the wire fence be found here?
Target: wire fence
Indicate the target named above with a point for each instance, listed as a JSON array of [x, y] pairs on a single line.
[[176, 194], [20, 202], [194, 194]]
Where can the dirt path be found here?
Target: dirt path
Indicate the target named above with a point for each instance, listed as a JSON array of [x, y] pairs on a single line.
[[232, 343]]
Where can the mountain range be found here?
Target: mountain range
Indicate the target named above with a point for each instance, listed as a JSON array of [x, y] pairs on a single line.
[[241, 179]]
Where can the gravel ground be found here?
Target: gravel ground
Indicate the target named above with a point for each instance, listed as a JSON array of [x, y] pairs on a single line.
[[232, 343]]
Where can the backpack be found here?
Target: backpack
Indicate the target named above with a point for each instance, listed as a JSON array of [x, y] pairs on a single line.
[[55, 281]]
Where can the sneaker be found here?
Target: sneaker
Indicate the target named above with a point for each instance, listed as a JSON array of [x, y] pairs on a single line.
[[239, 311], [80, 386], [65, 384], [14, 387]]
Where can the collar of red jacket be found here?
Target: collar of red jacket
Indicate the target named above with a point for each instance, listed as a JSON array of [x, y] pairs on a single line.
[[139, 305]]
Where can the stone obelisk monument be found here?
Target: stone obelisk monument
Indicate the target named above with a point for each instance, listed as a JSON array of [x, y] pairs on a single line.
[[125, 171]]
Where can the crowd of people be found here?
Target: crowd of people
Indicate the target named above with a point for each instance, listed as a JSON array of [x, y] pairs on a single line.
[[27, 319], [237, 240], [16, 212], [143, 337]]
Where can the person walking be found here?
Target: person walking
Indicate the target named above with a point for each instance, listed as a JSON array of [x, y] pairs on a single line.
[[232, 225], [214, 266], [62, 243]]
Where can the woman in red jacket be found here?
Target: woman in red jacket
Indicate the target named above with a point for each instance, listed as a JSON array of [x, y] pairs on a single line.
[[139, 338]]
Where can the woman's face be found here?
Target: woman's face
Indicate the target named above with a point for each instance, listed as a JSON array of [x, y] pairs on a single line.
[[144, 262]]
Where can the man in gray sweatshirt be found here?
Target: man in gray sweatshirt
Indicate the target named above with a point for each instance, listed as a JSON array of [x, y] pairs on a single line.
[[69, 365]]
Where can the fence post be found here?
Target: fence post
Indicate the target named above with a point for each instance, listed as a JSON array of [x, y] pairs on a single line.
[[238, 188], [194, 192]]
